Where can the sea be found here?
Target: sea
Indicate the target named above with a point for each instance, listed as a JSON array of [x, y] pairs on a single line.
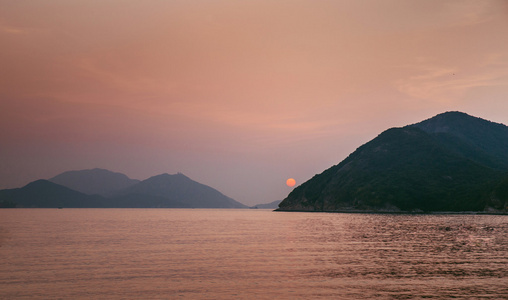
[[249, 254]]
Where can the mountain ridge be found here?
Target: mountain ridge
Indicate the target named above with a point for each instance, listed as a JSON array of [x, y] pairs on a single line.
[[415, 168], [159, 191], [46, 194], [94, 181], [181, 188]]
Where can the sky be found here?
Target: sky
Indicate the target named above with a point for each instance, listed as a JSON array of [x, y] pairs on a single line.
[[237, 95]]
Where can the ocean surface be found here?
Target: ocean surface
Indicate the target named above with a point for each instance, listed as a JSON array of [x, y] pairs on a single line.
[[249, 254]]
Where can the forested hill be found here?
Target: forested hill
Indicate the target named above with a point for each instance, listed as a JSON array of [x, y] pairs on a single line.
[[451, 162]]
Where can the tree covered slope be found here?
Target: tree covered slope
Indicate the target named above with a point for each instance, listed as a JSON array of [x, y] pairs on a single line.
[[452, 162]]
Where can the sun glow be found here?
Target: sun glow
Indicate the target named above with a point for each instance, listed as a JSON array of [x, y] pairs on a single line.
[[290, 182]]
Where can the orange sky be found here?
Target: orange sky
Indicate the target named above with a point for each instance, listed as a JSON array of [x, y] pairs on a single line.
[[239, 95]]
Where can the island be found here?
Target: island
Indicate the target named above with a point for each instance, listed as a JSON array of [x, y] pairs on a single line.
[[452, 162]]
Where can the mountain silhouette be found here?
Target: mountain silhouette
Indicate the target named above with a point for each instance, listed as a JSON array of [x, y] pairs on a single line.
[[179, 189], [161, 191], [43, 193], [95, 181], [451, 162]]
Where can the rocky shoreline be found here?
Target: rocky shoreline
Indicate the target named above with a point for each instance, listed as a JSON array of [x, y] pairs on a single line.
[[387, 212]]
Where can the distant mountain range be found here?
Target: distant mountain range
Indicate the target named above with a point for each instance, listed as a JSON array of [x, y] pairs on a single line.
[[451, 162], [95, 181], [271, 205], [102, 188], [44, 193], [177, 190]]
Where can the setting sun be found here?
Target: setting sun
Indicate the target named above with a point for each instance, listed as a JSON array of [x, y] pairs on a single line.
[[290, 182]]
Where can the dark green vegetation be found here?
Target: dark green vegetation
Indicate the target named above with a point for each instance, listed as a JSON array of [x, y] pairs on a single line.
[[162, 191], [7, 204], [452, 162]]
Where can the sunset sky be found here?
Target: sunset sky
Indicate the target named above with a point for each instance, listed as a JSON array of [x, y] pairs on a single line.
[[240, 94]]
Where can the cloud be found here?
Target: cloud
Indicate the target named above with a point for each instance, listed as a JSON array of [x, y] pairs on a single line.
[[448, 84], [187, 81], [11, 30]]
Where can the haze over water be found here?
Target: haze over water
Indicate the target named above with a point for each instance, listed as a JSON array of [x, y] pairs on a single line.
[[237, 95], [242, 254]]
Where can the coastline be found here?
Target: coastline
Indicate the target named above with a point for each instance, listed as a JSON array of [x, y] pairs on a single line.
[[398, 212]]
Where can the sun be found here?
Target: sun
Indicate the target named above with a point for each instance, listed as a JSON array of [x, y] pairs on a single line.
[[290, 182]]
